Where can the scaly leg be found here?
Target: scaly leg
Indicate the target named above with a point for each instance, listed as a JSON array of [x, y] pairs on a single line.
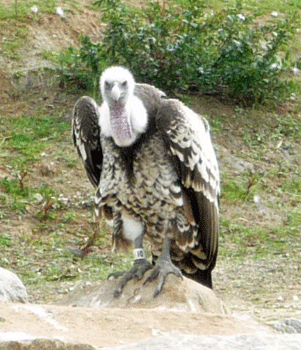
[[140, 266], [163, 268]]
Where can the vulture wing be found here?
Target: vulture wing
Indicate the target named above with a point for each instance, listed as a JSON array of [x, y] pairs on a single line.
[[187, 139], [86, 137]]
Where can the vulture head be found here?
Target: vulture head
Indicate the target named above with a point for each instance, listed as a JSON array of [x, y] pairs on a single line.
[[117, 85], [123, 116]]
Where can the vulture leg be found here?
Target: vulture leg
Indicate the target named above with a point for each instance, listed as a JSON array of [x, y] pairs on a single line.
[[163, 268], [140, 266]]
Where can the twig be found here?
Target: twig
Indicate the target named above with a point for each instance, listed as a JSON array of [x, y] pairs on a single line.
[[16, 7]]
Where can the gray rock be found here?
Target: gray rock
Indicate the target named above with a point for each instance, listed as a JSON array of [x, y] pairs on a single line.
[[177, 295], [291, 325], [11, 287], [236, 342], [42, 344]]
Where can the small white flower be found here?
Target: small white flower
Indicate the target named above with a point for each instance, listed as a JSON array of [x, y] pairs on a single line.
[[59, 11], [275, 14], [34, 10], [257, 199], [295, 70], [293, 96], [241, 17]]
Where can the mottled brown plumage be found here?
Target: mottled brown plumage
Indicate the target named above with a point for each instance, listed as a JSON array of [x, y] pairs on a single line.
[[164, 183]]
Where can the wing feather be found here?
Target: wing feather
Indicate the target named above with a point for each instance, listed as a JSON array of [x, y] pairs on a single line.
[[86, 137], [187, 138]]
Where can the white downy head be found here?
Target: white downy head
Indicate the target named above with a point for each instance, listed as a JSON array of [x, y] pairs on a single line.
[[117, 85], [121, 111]]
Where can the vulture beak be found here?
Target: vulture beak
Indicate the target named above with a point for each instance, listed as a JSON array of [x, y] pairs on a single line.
[[115, 93]]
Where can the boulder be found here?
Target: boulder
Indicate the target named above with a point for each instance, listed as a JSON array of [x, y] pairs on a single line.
[[235, 342], [42, 344], [177, 295], [11, 287]]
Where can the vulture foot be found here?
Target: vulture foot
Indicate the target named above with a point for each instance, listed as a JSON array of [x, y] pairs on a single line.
[[136, 273], [162, 269]]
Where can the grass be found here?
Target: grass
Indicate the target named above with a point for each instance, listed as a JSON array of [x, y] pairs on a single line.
[[26, 138], [263, 6], [20, 9], [38, 250], [40, 255]]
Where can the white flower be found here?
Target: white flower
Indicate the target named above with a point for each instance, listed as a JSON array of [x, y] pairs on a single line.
[[59, 11], [257, 199], [241, 17], [295, 70], [275, 14], [34, 10]]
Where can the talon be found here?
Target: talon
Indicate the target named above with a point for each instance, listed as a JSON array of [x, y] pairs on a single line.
[[162, 269], [136, 273], [115, 275]]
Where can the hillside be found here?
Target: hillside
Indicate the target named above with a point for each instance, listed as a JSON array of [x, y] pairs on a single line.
[[46, 199]]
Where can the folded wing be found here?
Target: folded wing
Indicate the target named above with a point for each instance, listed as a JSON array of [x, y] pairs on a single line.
[[187, 139], [86, 137]]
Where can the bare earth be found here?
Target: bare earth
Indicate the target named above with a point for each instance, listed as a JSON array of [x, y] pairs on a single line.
[[92, 316]]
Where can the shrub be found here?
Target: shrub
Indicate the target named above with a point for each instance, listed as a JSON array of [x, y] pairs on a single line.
[[187, 49]]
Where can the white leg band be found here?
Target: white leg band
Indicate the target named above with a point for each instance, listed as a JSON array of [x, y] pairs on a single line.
[[139, 253]]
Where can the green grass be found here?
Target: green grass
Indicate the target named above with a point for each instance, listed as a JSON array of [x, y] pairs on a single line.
[[12, 45], [25, 138], [21, 8], [39, 255], [263, 6], [242, 241]]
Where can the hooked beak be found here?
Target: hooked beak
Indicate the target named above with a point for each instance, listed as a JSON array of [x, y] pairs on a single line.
[[115, 93]]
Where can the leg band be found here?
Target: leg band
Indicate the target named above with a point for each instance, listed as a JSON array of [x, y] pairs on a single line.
[[139, 253]]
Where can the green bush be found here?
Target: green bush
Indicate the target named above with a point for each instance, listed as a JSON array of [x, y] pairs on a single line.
[[187, 49]]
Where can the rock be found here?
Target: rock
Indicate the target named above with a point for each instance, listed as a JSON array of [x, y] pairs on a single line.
[[236, 342], [239, 165], [11, 287], [291, 325], [109, 327], [42, 344], [177, 295], [173, 342]]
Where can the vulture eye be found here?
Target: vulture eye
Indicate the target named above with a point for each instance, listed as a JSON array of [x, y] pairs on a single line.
[[124, 84]]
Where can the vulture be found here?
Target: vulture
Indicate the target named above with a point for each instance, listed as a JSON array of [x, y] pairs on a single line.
[[156, 176]]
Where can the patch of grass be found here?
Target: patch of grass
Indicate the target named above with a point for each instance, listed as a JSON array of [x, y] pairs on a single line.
[[19, 194], [234, 190], [5, 240], [239, 240], [21, 9], [264, 6], [27, 137], [11, 46]]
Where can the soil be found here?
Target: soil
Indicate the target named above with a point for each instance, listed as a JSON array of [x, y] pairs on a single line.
[[268, 289]]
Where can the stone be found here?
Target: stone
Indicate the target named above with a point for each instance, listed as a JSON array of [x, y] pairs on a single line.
[[11, 287], [291, 325], [177, 295], [42, 344], [235, 342]]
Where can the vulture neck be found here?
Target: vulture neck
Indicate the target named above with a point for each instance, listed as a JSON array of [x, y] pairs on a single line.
[[120, 120], [126, 121]]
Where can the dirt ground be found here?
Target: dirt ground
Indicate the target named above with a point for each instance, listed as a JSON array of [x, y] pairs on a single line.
[[267, 292], [92, 316], [113, 327]]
